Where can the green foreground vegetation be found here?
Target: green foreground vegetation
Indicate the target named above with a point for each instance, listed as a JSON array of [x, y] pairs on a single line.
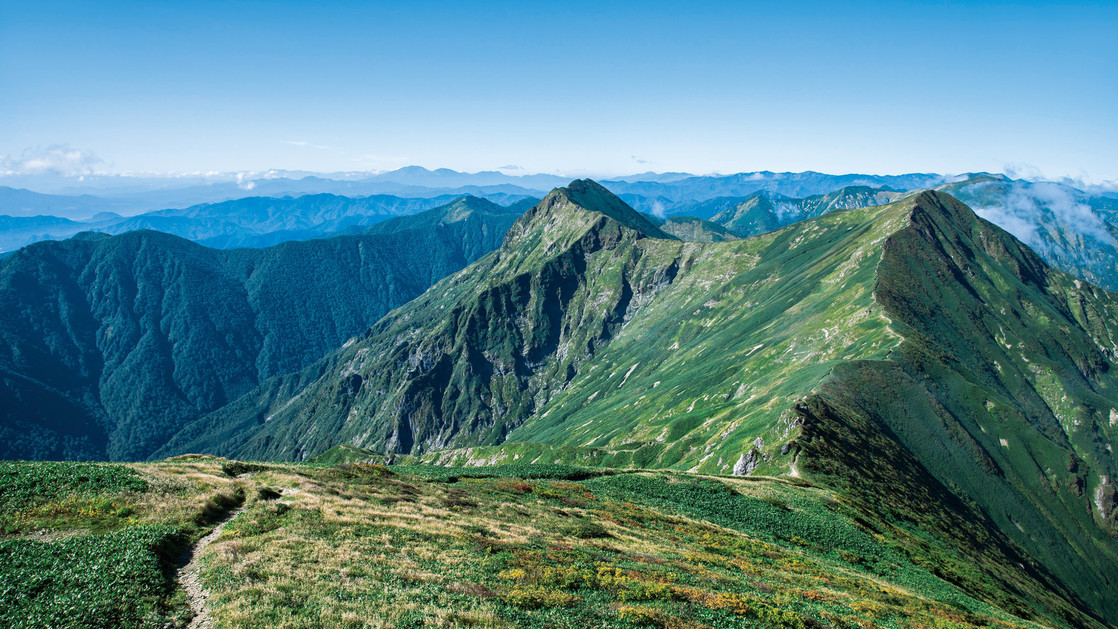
[[365, 545]]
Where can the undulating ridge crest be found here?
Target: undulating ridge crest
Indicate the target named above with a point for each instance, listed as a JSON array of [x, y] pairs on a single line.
[[914, 330]]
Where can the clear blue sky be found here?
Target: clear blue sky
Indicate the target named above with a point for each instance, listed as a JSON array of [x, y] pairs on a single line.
[[570, 87]]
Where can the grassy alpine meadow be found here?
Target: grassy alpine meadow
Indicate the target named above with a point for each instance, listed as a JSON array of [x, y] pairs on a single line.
[[366, 545], [96, 544]]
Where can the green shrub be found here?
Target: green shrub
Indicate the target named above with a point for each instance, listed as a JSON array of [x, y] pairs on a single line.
[[114, 580], [26, 484]]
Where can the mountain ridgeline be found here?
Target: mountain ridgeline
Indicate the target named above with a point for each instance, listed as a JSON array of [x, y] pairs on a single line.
[[914, 355], [112, 344]]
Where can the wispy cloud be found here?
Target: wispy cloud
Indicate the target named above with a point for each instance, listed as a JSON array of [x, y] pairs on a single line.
[[1028, 210], [1019, 170], [1090, 185], [243, 181], [1083, 181], [56, 159], [308, 145]]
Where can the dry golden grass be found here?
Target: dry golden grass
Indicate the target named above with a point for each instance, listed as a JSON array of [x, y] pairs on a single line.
[[340, 548], [362, 546]]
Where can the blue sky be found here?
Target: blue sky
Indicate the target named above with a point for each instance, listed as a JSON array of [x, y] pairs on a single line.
[[570, 88]]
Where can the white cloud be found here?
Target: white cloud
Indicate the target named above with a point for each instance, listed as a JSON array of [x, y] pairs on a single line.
[[57, 159], [1019, 170], [1089, 185], [308, 145], [243, 181], [1083, 181], [1027, 208]]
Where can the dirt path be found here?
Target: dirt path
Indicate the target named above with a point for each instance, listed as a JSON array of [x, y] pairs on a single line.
[[188, 575]]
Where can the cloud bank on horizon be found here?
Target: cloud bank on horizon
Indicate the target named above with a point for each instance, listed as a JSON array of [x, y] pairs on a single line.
[[56, 159], [62, 161]]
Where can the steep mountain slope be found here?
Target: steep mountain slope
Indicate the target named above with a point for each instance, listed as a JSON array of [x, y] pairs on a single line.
[[487, 220], [489, 330], [993, 373], [909, 354], [111, 344], [1071, 230], [1003, 390]]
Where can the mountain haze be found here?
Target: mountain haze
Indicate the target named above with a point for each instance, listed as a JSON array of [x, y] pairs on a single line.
[[246, 222]]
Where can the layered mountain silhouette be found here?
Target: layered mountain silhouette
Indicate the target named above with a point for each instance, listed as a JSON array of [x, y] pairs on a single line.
[[763, 212], [696, 229], [246, 222], [112, 344], [1070, 229]]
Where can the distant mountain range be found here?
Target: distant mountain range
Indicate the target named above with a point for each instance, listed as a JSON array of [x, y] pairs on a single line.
[[82, 198], [1071, 229], [247, 222]]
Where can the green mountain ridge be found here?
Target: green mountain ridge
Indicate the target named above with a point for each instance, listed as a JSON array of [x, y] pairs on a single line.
[[112, 344], [914, 330], [557, 234], [1071, 230]]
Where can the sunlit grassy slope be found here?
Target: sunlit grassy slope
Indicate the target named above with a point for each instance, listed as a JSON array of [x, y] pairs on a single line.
[[713, 340], [912, 356], [715, 361], [514, 546]]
